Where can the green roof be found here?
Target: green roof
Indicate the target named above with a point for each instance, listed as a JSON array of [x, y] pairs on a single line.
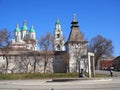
[[32, 29], [57, 22], [17, 29], [24, 27]]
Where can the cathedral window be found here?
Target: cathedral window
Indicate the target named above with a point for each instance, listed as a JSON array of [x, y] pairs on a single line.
[[58, 48], [58, 35]]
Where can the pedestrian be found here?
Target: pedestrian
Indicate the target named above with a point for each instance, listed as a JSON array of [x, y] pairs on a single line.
[[111, 72]]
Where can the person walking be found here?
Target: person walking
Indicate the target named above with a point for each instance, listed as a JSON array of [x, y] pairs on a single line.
[[111, 72]]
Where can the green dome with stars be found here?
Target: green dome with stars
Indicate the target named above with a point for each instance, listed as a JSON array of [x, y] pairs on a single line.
[[32, 30], [57, 22], [17, 29], [24, 27]]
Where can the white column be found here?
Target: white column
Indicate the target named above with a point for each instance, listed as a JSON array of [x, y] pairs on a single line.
[[89, 64]]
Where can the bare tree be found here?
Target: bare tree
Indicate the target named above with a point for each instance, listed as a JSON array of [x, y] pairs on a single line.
[[5, 36], [46, 44], [33, 52], [101, 47], [25, 62]]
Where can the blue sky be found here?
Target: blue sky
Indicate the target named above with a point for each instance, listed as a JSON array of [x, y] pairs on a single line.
[[94, 17]]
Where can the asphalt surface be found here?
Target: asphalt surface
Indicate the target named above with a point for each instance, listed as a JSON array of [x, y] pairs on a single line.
[[47, 84], [64, 84], [115, 73]]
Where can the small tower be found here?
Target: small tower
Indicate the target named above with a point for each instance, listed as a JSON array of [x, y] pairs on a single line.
[[24, 31], [17, 33], [32, 34], [58, 37], [76, 47]]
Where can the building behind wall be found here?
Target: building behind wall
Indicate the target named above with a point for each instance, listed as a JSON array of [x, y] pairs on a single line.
[[24, 38], [76, 47], [58, 37], [106, 63], [116, 63], [66, 57]]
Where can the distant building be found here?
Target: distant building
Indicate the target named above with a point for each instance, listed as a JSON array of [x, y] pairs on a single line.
[[106, 63], [24, 38], [25, 57], [116, 63]]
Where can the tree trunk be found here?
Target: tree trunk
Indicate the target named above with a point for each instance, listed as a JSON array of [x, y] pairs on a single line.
[[35, 65], [7, 63]]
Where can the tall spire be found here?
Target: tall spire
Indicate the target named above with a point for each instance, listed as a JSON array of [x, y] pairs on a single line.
[[74, 21], [74, 17], [24, 22], [57, 25], [58, 22], [17, 25], [17, 28], [75, 34], [24, 28], [32, 29], [58, 37], [32, 26]]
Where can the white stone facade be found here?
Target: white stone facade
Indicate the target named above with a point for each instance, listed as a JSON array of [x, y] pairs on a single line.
[[58, 38], [76, 52], [23, 63], [19, 62], [24, 39], [77, 48]]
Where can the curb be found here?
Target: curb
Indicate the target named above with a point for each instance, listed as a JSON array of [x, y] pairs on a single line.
[[80, 79]]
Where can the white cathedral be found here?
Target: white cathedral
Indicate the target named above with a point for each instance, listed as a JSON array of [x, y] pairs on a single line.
[[24, 39]]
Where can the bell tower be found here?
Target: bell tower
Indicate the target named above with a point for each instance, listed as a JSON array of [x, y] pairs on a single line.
[[76, 47], [58, 37]]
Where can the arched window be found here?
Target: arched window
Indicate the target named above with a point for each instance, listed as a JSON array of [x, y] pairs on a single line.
[[58, 35], [58, 48]]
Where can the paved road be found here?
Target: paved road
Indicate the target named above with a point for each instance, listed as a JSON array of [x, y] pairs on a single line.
[[115, 73], [46, 84], [101, 84]]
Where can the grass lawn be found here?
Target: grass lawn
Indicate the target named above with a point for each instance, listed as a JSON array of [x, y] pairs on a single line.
[[43, 76]]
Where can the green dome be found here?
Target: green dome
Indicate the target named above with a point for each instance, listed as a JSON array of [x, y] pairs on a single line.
[[32, 29], [24, 27], [57, 22], [17, 29]]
